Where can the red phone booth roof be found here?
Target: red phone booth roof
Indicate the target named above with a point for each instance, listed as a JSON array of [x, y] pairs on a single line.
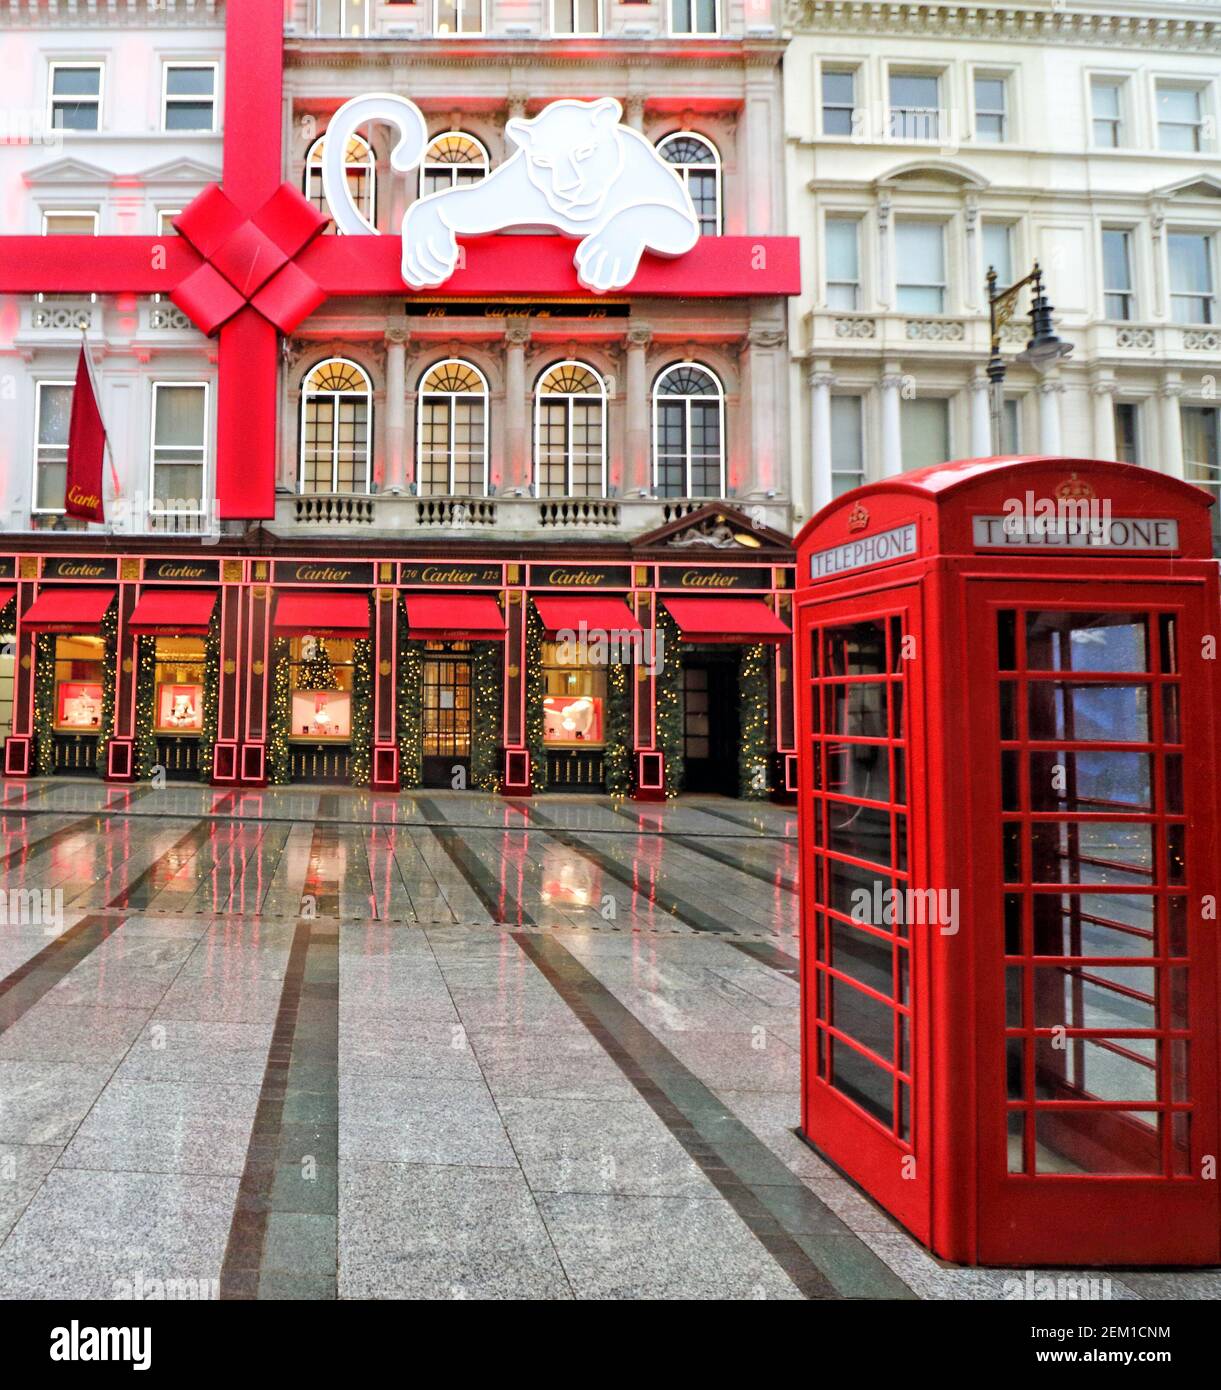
[[945, 499], [321, 613], [68, 610], [455, 617], [173, 613]]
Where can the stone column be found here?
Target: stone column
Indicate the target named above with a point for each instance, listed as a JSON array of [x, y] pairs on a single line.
[[517, 416], [633, 112], [1161, 299], [820, 378], [892, 426], [1102, 389], [885, 287], [760, 473], [1050, 390], [396, 408], [1170, 392], [637, 474], [973, 288], [981, 416]]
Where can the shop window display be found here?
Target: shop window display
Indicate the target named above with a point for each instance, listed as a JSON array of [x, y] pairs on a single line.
[[321, 681], [574, 696], [180, 685], [78, 684]]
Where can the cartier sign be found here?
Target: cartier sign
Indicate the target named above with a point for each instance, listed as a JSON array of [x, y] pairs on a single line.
[[67, 567], [456, 576], [322, 572], [580, 577], [194, 570], [715, 581]]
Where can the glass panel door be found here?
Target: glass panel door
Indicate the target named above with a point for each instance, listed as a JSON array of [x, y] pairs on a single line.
[[447, 721]]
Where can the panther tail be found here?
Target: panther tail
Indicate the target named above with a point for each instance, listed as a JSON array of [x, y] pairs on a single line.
[[394, 110]]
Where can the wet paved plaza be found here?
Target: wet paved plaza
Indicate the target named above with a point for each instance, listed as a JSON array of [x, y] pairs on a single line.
[[312, 1043]]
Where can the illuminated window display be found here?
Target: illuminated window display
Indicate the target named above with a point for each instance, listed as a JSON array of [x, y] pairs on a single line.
[[573, 698], [180, 683], [321, 677], [78, 683]]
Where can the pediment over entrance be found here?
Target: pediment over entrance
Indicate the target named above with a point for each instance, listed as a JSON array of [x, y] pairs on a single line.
[[714, 527]]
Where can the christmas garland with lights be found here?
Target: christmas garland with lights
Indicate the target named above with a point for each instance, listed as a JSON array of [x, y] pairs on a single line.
[[210, 702], [535, 691], [362, 712], [8, 616], [617, 729], [109, 629], [279, 771], [670, 700], [146, 698], [754, 712], [44, 703], [410, 712], [486, 694]]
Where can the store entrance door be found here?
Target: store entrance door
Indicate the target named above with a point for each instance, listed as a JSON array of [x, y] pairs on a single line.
[[710, 725], [447, 722]]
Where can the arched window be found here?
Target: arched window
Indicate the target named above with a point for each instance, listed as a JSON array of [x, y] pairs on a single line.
[[570, 432], [452, 159], [362, 177], [451, 431], [336, 407], [688, 432], [699, 166]]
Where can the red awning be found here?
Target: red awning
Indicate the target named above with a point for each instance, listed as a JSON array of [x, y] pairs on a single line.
[[6, 597], [599, 613], [67, 610], [321, 613], [173, 613], [455, 617], [726, 620]]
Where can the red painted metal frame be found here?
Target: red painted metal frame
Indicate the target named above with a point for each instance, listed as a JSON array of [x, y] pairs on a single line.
[[979, 1212], [249, 263]]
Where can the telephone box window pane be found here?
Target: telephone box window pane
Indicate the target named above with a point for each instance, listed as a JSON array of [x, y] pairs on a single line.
[[858, 710], [900, 795], [1015, 1068], [1006, 641], [866, 958], [1180, 1075], [1167, 638], [1089, 713], [1086, 642], [1095, 1069], [1114, 852], [860, 831], [1015, 1004], [1178, 999], [1094, 924], [1013, 924], [858, 649], [862, 894], [858, 769], [904, 1128], [1084, 781], [1176, 926], [900, 859], [1170, 714], [1010, 784], [862, 1081], [1009, 728], [1103, 997], [1176, 853], [1174, 783], [1011, 850], [898, 727], [1102, 1142], [1016, 1138]]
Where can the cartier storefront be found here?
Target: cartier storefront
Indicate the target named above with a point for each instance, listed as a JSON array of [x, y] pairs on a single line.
[[639, 669]]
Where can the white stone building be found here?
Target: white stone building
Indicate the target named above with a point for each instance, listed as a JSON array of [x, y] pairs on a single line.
[[928, 141]]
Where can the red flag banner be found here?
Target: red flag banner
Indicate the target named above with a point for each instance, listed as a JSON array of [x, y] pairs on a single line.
[[86, 447]]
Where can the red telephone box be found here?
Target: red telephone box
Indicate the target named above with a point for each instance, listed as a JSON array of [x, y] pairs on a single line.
[[1008, 762]]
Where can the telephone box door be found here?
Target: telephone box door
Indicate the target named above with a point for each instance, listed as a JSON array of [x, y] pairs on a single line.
[[1097, 1007], [865, 1023]]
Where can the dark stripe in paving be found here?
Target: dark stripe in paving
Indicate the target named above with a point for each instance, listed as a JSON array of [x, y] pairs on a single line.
[[30, 850], [140, 892], [736, 820], [642, 828], [686, 912], [772, 878], [767, 954], [284, 1237], [817, 1251], [498, 902], [21, 990]]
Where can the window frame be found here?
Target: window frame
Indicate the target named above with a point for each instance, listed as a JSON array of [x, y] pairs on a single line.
[[687, 452], [1138, 429], [1122, 120], [484, 396], [1211, 237], [305, 395], [167, 100], [171, 383], [459, 31], [575, 33], [907, 69], [312, 167], [1010, 228], [943, 285], [947, 401], [834, 69], [570, 397], [713, 33], [1128, 295], [684, 172], [1004, 77], [1201, 91], [54, 66], [856, 219], [861, 400], [427, 166], [35, 509]]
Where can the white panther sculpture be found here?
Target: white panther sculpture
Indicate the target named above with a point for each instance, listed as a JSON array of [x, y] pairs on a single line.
[[576, 170]]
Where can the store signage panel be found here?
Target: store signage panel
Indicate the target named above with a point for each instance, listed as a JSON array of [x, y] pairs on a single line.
[[182, 571], [1105, 534], [883, 549], [576, 576], [451, 576], [712, 580], [70, 567], [322, 572], [577, 170]]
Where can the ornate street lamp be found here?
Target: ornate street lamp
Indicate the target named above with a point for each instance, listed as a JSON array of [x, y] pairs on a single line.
[[1042, 351]]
